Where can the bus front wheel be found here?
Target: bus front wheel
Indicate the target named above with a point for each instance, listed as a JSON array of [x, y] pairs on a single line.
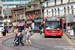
[[44, 36]]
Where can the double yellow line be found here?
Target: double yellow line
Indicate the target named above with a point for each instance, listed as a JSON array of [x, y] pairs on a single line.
[[69, 40]]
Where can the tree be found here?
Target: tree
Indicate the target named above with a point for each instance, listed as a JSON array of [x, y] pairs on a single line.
[[29, 3], [37, 0]]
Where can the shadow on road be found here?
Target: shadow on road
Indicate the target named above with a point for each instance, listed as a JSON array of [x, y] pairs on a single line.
[[53, 37]]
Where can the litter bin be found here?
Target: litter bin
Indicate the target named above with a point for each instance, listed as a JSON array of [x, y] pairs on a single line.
[[71, 32], [4, 33]]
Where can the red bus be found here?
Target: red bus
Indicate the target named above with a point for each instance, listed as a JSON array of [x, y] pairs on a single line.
[[53, 26]]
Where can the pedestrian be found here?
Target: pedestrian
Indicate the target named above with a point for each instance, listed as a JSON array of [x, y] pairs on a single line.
[[12, 29], [7, 29], [18, 36], [40, 30], [27, 35], [30, 29], [74, 28]]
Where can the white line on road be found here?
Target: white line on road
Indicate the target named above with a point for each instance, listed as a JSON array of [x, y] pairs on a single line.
[[6, 41], [0, 41], [32, 35]]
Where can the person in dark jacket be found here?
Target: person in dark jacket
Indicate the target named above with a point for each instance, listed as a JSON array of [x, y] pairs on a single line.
[[40, 30], [74, 28]]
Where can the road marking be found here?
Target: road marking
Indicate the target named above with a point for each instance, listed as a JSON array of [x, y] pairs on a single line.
[[69, 49], [0, 41], [69, 40], [32, 35], [6, 41], [10, 42]]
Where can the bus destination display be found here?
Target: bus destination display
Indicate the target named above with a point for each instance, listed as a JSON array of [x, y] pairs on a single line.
[[53, 19]]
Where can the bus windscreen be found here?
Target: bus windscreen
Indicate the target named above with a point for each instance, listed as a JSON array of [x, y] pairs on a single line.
[[53, 24]]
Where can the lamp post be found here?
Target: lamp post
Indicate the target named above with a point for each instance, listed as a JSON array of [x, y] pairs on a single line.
[[24, 13], [41, 11], [16, 18], [24, 9], [7, 12], [66, 17], [7, 16]]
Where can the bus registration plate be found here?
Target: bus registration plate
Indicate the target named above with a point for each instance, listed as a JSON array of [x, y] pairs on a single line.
[[53, 35]]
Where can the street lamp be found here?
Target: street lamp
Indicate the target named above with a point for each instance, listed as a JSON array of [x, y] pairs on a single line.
[[24, 9], [16, 18], [41, 11], [24, 13], [66, 17]]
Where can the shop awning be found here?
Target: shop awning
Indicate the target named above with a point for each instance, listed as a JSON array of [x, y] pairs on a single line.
[[38, 20], [29, 22], [20, 25]]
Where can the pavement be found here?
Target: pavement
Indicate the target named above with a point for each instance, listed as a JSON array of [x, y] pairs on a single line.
[[7, 34], [71, 37]]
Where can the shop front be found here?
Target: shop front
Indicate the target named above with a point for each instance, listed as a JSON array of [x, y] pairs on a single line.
[[29, 23], [21, 26], [38, 22]]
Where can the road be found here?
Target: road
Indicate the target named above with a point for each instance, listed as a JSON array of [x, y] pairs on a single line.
[[41, 43]]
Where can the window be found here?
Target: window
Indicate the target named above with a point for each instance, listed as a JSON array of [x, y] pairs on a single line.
[[23, 15], [32, 15], [25, 0], [28, 15], [0, 10], [68, 1], [37, 13], [55, 12], [17, 0], [55, 2], [9, 0], [68, 10], [72, 9], [52, 12], [64, 11], [47, 3], [3, 0], [61, 1], [8, 5], [47, 13], [58, 11]]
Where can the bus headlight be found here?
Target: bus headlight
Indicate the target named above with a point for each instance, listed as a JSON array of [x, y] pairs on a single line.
[[59, 32], [47, 32]]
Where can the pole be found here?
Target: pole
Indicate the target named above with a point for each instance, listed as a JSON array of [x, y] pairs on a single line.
[[24, 11], [24, 16], [41, 12], [7, 12], [66, 18], [16, 18], [7, 16]]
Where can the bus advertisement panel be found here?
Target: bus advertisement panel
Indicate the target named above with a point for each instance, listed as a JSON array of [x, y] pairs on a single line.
[[53, 26]]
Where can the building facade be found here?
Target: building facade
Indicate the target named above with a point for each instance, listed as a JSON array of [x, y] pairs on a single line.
[[1, 8], [13, 3], [20, 12], [59, 7]]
